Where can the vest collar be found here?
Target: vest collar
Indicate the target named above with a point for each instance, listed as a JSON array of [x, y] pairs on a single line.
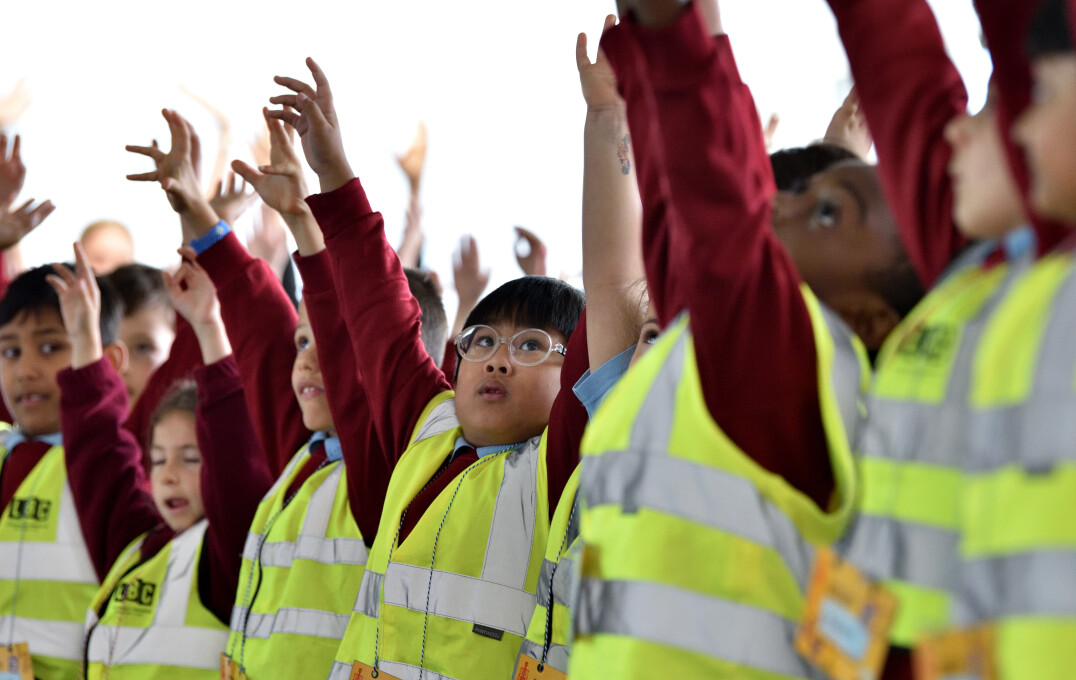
[[333, 450], [16, 436]]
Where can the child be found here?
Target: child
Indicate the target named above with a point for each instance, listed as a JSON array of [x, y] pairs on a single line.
[[108, 244], [149, 323], [449, 458], [722, 457], [169, 575], [48, 574]]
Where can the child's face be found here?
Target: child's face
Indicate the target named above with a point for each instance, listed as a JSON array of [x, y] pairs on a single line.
[[148, 334], [175, 471], [33, 349], [108, 249], [1047, 131], [306, 378], [648, 334], [500, 402], [986, 200]]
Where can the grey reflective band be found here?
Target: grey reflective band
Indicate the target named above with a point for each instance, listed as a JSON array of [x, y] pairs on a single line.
[[846, 375], [405, 671], [511, 533], [340, 671], [557, 658], [441, 419], [157, 646], [1039, 584], [704, 495], [464, 598], [681, 619], [909, 431], [562, 584], [60, 639], [887, 548], [292, 621], [350, 551], [369, 593]]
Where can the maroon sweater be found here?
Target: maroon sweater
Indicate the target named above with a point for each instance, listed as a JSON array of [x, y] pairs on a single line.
[[383, 322], [107, 479], [260, 321], [708, 245]]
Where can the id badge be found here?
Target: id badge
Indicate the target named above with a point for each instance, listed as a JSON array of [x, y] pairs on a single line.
[[230, 670], [361, 671], [845, 629], [530, 668], [966, 653], [15, 663]]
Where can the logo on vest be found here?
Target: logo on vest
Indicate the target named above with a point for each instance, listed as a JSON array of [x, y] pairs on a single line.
[[30, 509], [486, 631], [930, 343], [137, 592]]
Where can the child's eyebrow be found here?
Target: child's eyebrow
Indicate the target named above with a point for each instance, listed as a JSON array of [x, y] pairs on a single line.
[[46, 331], [8, 337]]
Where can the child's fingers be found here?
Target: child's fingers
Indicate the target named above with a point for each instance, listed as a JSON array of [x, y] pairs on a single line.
[[246, 172], [295, 85], [285, 99], [143, 177], [64, 273], [152, 151], [180, 131], [25, 207], [189, 256], [319, 79], [57, 284], [289, 117], [38, 214], [610, 21], [82, 266], [312, 111], [15, 148], [581, 59]]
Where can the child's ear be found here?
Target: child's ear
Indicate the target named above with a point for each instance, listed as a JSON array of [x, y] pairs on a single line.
[[117, 355]]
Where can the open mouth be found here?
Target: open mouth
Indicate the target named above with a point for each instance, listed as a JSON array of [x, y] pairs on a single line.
[[30, 398], [492, 391], [310, 391], [176, 504]]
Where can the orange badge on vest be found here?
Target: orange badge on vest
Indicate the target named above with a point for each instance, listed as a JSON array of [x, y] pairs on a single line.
[[15, 662], [530, 668], [966, 653], [361, 671]]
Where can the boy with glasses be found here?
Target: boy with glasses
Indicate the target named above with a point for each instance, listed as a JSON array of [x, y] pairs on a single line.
[[452, 574]]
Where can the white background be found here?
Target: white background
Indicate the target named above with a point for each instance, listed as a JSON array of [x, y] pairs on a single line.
[[495, 82]]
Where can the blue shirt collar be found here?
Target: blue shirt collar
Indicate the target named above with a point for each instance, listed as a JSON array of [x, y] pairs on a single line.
[[17, 436], [484, 451], [333, 450]]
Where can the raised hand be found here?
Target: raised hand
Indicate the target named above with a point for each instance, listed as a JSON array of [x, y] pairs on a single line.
[[414, 160], [469, 279], [410, 250], [195, 298], [848, 128], [280, 183], [17, 223], [269, 240], [770, 130], [530, 252], [176, 175], [230, 198], [314, 118], [225, 140], [12, 172], [80, 308], [597, 79], [14, 104]]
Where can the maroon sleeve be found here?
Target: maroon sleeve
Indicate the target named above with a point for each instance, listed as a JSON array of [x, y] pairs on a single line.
[[658, 238], [383, 319], [754, 336], [568, 417], [183, 357], [260, 320], [104, 462], [1005, 25], [909, 91], [368, 470], [235, 476], [448, 364]]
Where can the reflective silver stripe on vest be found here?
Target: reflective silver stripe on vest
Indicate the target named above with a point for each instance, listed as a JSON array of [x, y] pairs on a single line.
[[340, 671], [698, 493], [311, 544], [690, 621], [918, 553], [168, 641], [405, 671], [292, 621], [441, 419], [846, 375], [1037, 583], [557, 658], [366, 603], [464, 598], [562, 584], [61, 639]]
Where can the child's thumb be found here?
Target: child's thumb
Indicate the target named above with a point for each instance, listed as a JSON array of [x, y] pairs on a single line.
[[312, 111]]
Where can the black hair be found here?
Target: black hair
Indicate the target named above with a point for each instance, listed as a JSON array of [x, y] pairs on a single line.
[[531, 301], [434, 322], [1049, 33], [30, 293], [182, 397], [139, 286], [793, 167]]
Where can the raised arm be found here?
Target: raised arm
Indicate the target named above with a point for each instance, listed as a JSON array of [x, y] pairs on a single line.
[[281, 186], [235, 474], [612, 214], [104, 461], [382, 317], [909, 90], [257, 312]]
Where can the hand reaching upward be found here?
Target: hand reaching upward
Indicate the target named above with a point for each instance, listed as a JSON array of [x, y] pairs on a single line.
[[12, 172], [231, 199], [597, 79], [848, 128], [80, 308], [17, 223], [532, 260], [314, 118], [413, 162], [195, 298]]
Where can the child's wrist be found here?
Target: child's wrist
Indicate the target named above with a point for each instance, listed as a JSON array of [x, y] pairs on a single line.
[[200, 218], [335, 177], [85, 349]]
